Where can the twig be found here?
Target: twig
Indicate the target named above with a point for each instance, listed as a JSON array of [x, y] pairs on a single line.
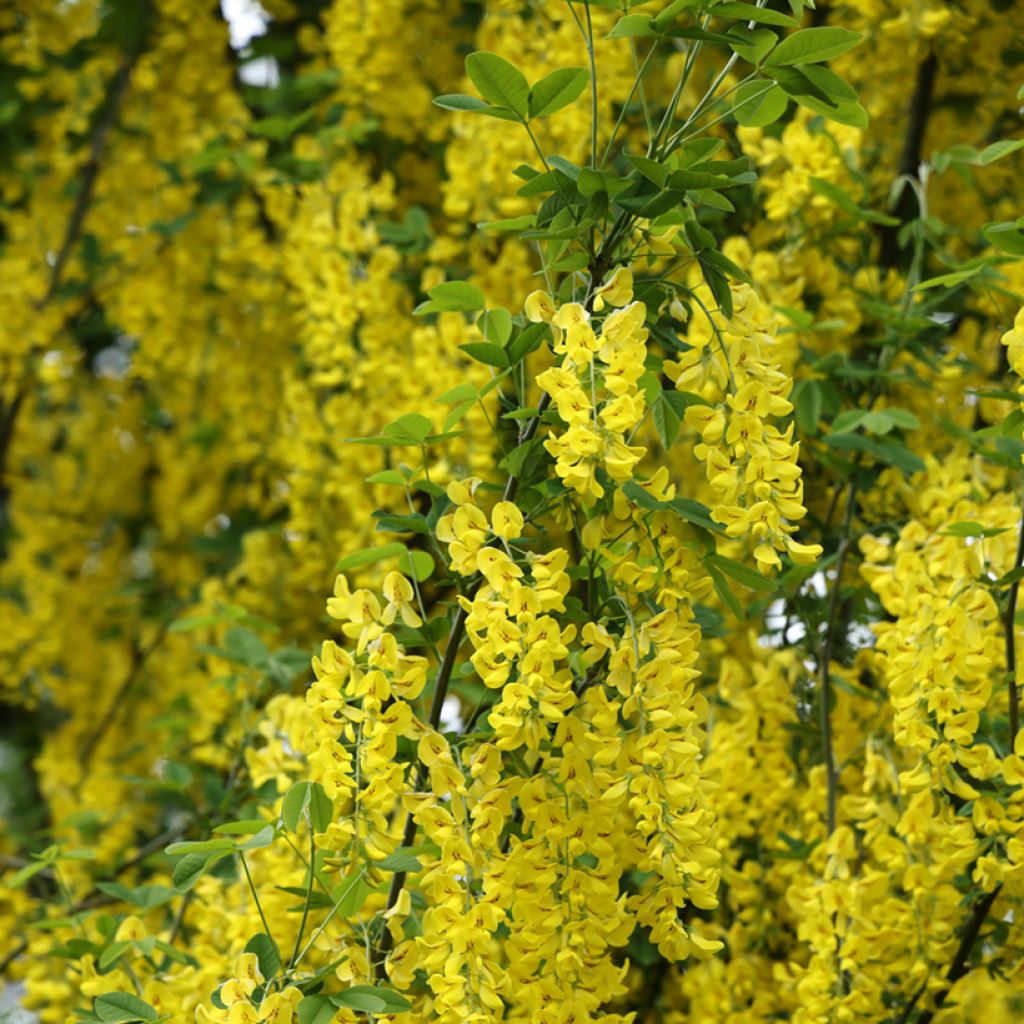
[[140, 655], [958, 968], [593, 87], [910, 156], [825, 659], [91, 170], [1010, 637]]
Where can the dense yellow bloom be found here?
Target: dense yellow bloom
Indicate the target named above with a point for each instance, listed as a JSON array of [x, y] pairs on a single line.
[[670, 671]]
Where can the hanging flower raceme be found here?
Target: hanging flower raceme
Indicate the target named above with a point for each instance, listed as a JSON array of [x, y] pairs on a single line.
[[751, 464]]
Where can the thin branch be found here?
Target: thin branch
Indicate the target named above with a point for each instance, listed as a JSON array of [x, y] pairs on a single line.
[[958, 968], [593, 88], [90, 172], [455, 638], [140, 656], [910, 156], [825, 658], [1010, 637]]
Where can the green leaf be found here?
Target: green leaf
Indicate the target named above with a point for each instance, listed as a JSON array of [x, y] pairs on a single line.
[[317, 1009], [412, 428], [453, 297], [246, 827], [266, 953], [401, 860], [902, 418], [750, 12], [372, 999], [759, 103], [750, 578], [245, 647], [667, 418], [486, 353], [118, 1007], [848, 205], [280, 128], [652, 170], [695, 512], [207, 846], [1006, 237], [996, 151], [294, 803], [697, 179], [969, 528], [668, 14], [22, 875], [369, 556], [812, 46], [952, 280], [496, 325], [321, 807], [500, 114], [387, 476], [725, 265], [636, 494], [753, 45], [824, 92], [112, 953], [807, 404], [887, 450], [262, 839], [724, 592], [351, 893], [556, 90], [528, 339], [499, 82], [549, 181], [457, 413], [417, 564], [188, 871], [632, 26], [527, 220], [849, 420], [460, 102]]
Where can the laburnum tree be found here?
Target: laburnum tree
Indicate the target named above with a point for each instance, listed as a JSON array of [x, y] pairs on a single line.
[[512, 511]]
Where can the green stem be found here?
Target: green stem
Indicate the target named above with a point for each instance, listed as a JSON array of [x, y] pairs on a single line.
[[358, 877], [825, 660], [637, 84], [593, 87], [259, 906], [309, 895]]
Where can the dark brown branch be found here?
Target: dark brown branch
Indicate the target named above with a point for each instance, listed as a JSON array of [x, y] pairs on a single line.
[[958, 968], [87, 176], [910, 157], [444, 674], [90, 171], [1010, 637], [7, 424], [825, 660], [140, 655]]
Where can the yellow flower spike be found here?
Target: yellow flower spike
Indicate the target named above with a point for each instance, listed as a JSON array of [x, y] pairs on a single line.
[[399, 592], [570, 315], [707, 420], [592, 534], [540, 307], [242, 1013], [678, 311], [232, 991], [617, 291], [506, 520], [803, 554]]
